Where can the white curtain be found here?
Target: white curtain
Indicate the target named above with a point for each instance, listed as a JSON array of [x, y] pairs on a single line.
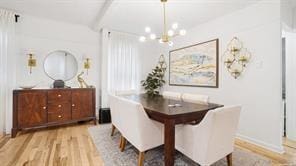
[[123, 62], [7, 68]]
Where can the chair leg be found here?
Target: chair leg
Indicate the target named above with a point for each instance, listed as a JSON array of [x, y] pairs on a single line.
[[123, 144], [113, 129], [120, 142], [229, 159], [141, 159]]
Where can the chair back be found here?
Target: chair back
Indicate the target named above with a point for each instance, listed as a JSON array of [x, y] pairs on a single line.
[[138, 129], [115, 111], [172, 95], [125, 92], [194, 98], [219, 129]]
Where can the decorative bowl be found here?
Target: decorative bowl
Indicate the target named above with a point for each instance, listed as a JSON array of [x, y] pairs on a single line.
[[27, 86]]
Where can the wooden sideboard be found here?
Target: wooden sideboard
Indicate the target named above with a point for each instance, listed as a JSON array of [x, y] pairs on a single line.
[[39, 108]]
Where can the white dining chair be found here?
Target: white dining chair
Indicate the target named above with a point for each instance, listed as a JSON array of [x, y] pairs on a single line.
[[142, 132], [172, 95], [114, 110], [212, 139], [119, 93], [195, 98], [125, 92]]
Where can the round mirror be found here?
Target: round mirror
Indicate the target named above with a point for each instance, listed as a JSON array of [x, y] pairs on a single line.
[[60, 65]]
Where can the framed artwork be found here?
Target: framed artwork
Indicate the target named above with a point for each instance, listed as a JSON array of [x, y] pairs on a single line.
[[195, 65]]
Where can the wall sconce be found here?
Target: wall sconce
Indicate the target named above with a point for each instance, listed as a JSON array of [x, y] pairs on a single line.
[[87, 65], [236, 57], [162, 64], [31, 62]]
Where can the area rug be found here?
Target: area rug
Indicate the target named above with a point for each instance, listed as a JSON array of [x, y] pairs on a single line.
[[108, 148]]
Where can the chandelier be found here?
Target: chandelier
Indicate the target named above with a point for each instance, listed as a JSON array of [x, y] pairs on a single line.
[[167, 34]]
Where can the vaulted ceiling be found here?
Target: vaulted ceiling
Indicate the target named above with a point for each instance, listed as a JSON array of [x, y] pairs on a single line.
[[133, 15], [72, 11], [127, 15]]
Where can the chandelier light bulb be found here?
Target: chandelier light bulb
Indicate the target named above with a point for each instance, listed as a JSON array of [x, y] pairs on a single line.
[[147, 29], [175, 26], [182, 32], [167, 34], [152, 36], [142, 38], [171, 33]]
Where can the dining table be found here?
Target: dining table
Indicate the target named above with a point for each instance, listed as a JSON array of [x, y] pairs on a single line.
[[171, 113]]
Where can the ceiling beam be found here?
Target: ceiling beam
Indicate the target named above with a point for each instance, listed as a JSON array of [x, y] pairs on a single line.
[[98, 23]]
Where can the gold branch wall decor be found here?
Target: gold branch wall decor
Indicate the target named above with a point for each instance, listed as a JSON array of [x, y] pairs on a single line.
[[87, 65], [236, 57], [31, 62]]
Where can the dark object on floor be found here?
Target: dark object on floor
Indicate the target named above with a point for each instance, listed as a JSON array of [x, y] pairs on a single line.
[[58, 84], [104, 115]]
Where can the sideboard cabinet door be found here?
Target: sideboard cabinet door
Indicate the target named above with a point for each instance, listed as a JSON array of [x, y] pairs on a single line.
[[82, 104], [32, 109]]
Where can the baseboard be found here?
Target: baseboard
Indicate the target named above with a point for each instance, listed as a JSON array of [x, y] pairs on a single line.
[[261, 144]]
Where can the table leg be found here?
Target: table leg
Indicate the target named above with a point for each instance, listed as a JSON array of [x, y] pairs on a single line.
[[169, 142]]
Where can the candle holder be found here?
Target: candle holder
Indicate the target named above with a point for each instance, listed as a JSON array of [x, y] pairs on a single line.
[[31, 62], [87, 65], [236, 57]]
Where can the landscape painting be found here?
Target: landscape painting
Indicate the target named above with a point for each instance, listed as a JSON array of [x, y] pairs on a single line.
[[195, 65]]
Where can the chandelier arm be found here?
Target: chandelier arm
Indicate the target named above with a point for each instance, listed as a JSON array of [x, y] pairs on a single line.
[[164, 20]]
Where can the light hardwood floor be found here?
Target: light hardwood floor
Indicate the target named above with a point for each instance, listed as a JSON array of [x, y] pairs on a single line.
[[69, 146], [72, 145]]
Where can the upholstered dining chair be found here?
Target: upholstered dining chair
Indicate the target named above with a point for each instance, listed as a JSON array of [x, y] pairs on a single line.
[[120, 93], [142, 132], [114, 110], [172, 95], [212, 139], [194, 98], [125, 92]]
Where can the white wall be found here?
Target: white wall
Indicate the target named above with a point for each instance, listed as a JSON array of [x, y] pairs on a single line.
[[150, 52], [287, 15], [258, 90], [290, 85], [42, 36]]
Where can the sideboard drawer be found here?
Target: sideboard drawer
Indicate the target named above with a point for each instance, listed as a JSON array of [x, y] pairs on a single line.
[[59, 107], [59, 117], [59, 96]]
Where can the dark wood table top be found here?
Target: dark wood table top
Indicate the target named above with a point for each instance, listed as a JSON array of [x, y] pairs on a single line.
[[158, 108]]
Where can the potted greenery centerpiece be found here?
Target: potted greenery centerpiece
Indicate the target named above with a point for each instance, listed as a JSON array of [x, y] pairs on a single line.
[[155, 79]]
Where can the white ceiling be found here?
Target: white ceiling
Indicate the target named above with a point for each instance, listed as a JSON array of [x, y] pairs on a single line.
[[73, 11], [127, 15], [133, 15]]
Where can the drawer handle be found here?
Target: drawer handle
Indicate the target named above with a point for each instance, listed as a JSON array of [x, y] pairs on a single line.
[[73, 105], [59, 106], [59, 95], [60, 116], [44, 108]]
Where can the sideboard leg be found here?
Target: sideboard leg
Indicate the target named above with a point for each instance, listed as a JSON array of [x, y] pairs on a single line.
[[13, 132], [95, 121]]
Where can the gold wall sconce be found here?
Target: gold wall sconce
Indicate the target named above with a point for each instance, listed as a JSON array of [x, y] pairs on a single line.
[[87, 65], [31, 62], [236, 57], [162, 64]]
